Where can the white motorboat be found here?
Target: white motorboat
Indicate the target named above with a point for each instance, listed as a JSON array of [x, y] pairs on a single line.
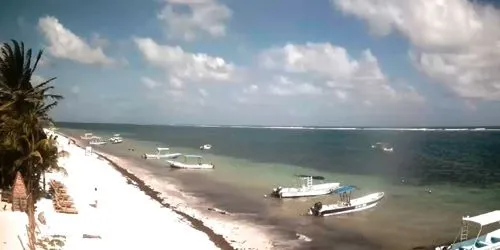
[[97, 141], [384, 146], [345, 204], [186, 165], [206, 147], [489, 241], [307, 188], [159, 154], [116, 139], [87, 136]]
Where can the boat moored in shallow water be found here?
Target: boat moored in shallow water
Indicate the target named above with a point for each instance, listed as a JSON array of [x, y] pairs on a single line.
[[307, 188], [88, 136], [159, 154], [384, 146], [97, 141], [346, 204], [185, 165], [489, 241], [116, 139]]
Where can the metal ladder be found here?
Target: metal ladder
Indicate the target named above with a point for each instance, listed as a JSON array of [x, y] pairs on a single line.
[[464, 232], [309, 181]]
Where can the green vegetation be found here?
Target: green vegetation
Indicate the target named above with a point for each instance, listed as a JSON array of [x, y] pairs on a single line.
[[24, 110]]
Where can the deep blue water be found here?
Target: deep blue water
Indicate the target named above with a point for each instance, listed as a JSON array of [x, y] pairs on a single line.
[[469, 158]]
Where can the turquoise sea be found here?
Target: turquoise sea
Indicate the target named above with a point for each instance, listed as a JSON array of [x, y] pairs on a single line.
[[460, 167]]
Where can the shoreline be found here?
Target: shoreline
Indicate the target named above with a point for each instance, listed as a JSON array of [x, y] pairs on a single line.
[[210, 223], [217, 239]]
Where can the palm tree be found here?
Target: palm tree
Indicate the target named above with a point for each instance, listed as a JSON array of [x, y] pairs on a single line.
[[24, 146]]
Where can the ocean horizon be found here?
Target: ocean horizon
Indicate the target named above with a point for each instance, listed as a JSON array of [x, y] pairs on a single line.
[[430, 128], [459, 168]]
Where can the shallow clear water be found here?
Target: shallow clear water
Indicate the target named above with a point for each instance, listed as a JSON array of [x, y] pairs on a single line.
[[461, 169]]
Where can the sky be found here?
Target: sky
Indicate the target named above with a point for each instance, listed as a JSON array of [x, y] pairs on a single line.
[[266, 62]]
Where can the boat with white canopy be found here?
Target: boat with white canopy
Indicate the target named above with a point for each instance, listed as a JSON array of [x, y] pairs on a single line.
[[346, 204], [186, 165], [206, 147], [160, 154], [97, 141], [307, 188], [489, 241]]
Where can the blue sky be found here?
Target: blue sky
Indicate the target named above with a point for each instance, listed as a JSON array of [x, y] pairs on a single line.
[[280, 62]]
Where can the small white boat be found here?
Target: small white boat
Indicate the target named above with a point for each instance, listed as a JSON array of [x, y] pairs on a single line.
[[185, 165], [116, 139], [386, 147], [159, 154], [97, 141], [307, 188], [206, 147], [345, 204], [489, 241], [87, 136]]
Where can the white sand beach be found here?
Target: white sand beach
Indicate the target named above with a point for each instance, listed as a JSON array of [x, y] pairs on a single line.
[[125, 216]]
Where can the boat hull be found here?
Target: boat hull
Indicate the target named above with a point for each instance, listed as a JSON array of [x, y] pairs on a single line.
[[97, 143], [358, 204], [180, 165], [157, 156], [314, 190], [490, 241]]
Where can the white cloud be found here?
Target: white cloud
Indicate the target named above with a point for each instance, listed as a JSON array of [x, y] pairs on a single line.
[[176, 82], [333, 67], [251, 89], [174, 93], [285, 87], [455, 42], [183, 66], [62, 43], [149, 83], [198, 16], [37, 79], [203, 92]]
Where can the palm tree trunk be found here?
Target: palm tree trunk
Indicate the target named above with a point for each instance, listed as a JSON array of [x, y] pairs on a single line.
[[44, 182], [32, 223]]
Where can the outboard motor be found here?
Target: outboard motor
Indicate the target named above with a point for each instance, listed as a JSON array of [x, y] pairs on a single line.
[[276, 192], [316, 208]]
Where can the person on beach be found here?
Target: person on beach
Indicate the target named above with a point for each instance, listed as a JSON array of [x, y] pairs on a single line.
[[95, 193]]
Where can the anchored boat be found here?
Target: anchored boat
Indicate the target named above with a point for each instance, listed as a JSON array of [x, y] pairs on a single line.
[[206, 147], [97, 141], [346, 204], [116, 139], [159, 154], [185, 165], [384, 146], [87, 136], [489, 241], [307, 188]]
